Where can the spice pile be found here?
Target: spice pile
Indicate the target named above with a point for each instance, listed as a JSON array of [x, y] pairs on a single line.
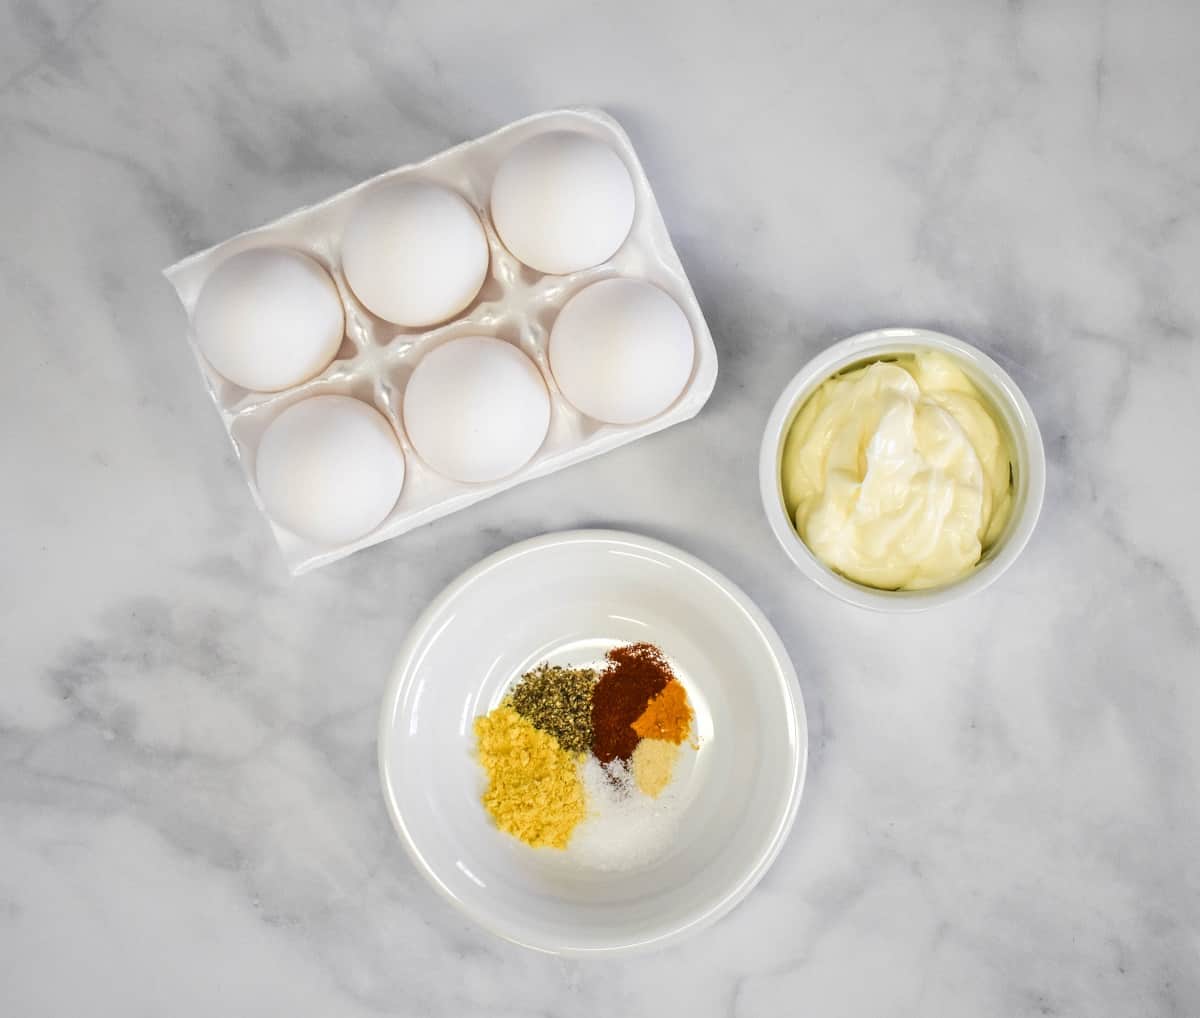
[[591, 747]]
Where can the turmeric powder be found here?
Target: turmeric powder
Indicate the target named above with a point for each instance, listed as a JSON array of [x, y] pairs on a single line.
[[668, 716]]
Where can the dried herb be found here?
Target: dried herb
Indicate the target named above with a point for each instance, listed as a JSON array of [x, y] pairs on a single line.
[[558, 701]]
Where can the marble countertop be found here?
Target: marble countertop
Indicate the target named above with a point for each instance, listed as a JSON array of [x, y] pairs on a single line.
[[1002, 815]]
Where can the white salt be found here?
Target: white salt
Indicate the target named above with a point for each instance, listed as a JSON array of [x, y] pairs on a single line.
[[625, 829]]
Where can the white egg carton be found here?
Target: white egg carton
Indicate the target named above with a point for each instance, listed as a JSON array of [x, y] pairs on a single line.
[[516, 304]]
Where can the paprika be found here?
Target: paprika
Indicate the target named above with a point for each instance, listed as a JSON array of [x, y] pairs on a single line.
[[635, 674]]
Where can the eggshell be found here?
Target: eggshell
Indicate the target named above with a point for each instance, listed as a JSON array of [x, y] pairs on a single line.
[[414, 253], [476, 409], [515, 303], [269, 318], [562, 201], [330, 469], [621, 351]]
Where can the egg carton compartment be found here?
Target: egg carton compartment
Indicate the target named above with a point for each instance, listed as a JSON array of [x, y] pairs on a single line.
[[516, 304]]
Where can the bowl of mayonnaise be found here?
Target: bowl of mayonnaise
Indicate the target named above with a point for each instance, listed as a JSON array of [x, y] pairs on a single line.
[[902, 469]]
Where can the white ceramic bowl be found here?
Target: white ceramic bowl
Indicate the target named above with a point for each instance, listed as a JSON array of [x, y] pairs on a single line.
[[1029, 468], [568, 597]]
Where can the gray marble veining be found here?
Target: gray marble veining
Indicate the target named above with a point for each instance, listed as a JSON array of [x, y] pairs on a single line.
[[1002, 815]]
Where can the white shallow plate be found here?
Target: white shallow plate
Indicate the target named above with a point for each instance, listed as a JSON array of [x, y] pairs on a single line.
[[567, 598]]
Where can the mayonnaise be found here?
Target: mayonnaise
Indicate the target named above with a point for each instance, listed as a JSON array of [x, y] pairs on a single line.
[[897, 474]]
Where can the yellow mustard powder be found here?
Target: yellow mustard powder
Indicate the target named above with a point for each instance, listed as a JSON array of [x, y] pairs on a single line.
[[534, 791]]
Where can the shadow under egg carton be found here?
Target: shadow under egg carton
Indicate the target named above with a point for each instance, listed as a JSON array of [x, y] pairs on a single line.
[[516, 304]]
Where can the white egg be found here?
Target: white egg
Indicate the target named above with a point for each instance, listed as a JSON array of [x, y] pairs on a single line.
[[330, 469], [269, 318], [562, 201], [476, 409], [414, 253], [621, 351]]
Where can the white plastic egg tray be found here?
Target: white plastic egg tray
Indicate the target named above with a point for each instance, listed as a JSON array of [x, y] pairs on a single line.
[[516, 304]]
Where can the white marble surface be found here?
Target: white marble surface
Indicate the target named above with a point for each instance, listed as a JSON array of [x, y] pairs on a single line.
[[1001, 817]]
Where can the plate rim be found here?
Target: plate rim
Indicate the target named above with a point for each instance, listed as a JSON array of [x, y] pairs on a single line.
[[785, 673]]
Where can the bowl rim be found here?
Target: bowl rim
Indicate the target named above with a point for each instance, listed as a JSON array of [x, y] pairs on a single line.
[[1030, 454], [785, 674]]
